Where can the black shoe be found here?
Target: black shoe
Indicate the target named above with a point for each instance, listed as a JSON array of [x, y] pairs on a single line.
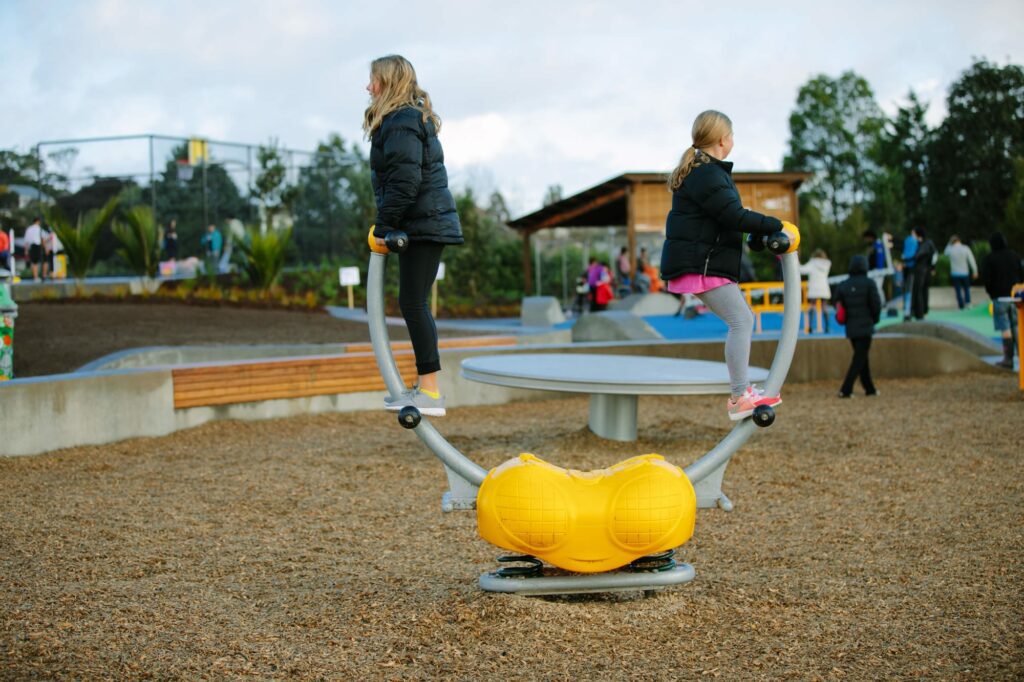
[[871, 394], [844, 395]]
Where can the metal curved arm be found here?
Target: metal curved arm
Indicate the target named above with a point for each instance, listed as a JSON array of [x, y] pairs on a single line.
[[721, 453], [452, 458]]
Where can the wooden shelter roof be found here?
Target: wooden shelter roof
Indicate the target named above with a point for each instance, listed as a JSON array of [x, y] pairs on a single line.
[[605, 204]]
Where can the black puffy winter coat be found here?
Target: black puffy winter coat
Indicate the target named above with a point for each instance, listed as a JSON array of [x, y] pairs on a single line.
[[859, 295], [409, 180], [1001, 268], [704, 230]]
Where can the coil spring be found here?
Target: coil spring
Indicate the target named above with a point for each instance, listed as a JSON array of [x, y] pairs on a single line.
[[663, 561], [531, 570]]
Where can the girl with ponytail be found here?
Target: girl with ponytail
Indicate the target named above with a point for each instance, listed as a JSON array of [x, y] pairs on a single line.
[[704, 244], [410, 185]]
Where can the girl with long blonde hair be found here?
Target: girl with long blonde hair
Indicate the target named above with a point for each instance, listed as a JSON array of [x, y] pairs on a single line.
[[410, 185], [704, 244]]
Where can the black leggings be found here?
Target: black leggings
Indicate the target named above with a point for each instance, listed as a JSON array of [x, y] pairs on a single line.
[[417, 268], [859, 367]]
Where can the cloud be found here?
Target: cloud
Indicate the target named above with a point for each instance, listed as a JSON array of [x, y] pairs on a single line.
[[532, 94]]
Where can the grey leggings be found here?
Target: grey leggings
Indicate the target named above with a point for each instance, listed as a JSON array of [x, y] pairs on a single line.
[[729, 304]]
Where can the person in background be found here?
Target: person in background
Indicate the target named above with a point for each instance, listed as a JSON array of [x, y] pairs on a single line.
[[875, 250], [33, 243], [858, 295], [603, 293], [924, 261], [582, 301], [962, 269], [704, 244], [5, 250], [594, 272], [818, 290], [909, 251], [1000, 270], [171, 241], [55, 248], [643, 280], [211, 243], [623, 270]]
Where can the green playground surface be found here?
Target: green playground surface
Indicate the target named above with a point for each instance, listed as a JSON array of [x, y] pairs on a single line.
[[976, 318]]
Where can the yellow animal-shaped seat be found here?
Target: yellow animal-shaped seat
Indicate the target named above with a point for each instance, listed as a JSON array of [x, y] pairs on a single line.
[[587, 521]]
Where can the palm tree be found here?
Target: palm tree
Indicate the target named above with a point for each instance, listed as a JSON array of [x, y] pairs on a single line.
[[80, 241], [264, 255], [139, 240]]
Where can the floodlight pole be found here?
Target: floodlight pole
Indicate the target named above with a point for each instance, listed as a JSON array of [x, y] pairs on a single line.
[[152, 181], [206, 210]]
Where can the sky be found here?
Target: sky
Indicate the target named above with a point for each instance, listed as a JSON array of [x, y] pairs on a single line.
[[531, 94]]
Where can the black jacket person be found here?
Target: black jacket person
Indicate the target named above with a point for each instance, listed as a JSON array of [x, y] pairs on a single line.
[[858, 294], [410, 186]]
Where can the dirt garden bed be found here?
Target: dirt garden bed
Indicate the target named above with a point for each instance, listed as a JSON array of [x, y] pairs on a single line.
[[872, 538], [56, 337]]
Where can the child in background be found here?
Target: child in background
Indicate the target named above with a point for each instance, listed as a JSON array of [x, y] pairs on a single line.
[[818, 291], [703, 245]]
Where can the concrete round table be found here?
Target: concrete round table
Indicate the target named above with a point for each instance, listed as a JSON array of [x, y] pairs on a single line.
[[613, 382]]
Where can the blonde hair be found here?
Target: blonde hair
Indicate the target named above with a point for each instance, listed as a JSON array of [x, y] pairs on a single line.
[[708, 128], [398, 89]]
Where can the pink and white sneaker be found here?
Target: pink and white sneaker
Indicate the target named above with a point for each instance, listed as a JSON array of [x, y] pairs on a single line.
[[743, 406]]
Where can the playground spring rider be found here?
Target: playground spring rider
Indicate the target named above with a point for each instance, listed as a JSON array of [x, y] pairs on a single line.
[[630, 516]]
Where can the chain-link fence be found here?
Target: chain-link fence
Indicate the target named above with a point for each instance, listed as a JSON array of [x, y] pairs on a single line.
[[324, 194]]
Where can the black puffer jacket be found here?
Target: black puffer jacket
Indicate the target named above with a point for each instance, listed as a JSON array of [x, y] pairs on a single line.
[[409, 180], [704, 230], [1001, 268], [859, 295]]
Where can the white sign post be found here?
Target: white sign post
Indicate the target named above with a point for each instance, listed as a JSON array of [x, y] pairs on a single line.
[[433, 289], [349, 277]]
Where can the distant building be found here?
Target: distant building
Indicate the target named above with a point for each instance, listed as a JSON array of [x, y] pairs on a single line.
[[25, 195]]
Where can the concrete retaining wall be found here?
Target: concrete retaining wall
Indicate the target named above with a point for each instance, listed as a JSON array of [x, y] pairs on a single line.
[[66, 410], [48, 413]]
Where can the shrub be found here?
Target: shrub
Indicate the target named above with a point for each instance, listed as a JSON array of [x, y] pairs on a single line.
[[80, 241], [264, 255], [138, 235]]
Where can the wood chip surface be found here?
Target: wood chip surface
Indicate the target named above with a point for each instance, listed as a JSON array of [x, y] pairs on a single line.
[[872, 539]]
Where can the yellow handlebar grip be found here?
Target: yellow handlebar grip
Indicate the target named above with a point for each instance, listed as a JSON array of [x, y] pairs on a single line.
[[372, 241]]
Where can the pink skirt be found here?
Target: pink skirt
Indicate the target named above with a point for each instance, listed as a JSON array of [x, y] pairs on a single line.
[[692, 283]]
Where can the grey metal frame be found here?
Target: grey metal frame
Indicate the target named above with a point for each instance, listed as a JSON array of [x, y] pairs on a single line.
[[465, 476]]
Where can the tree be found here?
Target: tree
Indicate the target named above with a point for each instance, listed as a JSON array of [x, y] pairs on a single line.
[[93, 197], [1013, 228], [971, 172], [187, 202], [334, 203], [264, 254], [80, 240], [488, 264], [271, 189], [552, 195], [23, 169], [897, 183], [138, 235], [835, 124]]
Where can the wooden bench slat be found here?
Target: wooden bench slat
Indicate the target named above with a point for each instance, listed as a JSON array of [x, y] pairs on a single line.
[[241, 394], [262, 382], [254, 380], [234, 374]]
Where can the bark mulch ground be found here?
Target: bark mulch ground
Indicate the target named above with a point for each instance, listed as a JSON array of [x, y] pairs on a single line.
[[872, 538], [56, 337]]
